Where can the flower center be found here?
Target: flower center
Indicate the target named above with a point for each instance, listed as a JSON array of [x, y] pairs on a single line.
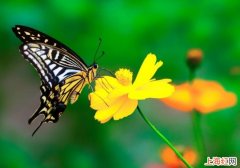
[[124, 76]]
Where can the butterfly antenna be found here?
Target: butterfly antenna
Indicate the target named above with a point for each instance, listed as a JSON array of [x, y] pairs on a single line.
[[100, 55], [37, 128], [99, 44]]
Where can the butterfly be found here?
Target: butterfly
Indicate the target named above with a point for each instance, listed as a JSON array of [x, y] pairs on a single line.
[[63, 73]]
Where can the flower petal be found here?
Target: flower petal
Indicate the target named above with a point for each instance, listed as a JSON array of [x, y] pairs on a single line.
[[147, 70], [152, 89], [98, 99], [231, 100], [106, 114], [120, 91], [211, 96], [126, 109], [107, 83], [202, 95], [181, 99]]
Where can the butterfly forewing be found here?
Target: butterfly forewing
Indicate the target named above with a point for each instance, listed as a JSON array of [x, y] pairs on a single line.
[[62, 72], [28, 35], [44, 59]]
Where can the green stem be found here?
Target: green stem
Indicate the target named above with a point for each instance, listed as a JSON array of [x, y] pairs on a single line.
[[196, 120], [163, 138], [191, 75], [197, 132]]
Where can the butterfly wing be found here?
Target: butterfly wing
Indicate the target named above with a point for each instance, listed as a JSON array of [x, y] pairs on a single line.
[[54, 100], [57, 66], [29, 35], [50, 106], [51, 63]]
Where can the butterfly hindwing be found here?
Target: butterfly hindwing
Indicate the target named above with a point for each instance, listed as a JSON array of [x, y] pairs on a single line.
[[50, 106], [72, 86], [55, 100]]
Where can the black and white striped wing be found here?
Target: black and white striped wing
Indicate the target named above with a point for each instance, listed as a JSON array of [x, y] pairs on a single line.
[[29, 35], [51, 63], [53, 60]]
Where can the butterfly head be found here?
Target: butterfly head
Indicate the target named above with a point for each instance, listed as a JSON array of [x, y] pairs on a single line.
[[92, 72], [95, 66]]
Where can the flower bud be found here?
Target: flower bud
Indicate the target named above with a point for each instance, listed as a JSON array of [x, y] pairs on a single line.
[[194, 58]]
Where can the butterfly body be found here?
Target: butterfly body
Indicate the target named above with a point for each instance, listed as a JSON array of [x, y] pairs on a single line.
[[63, 73]]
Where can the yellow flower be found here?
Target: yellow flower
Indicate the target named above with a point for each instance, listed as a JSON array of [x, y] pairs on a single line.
[[118, 97], [201, 95]]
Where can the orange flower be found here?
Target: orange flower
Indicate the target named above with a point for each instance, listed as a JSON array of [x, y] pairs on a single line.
[[171, 160], [201, 95]]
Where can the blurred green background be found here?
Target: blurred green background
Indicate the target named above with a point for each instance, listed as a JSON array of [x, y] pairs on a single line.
[[130, 30]]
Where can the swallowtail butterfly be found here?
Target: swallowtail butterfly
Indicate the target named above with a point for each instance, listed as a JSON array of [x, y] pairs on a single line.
[[63, 73]]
